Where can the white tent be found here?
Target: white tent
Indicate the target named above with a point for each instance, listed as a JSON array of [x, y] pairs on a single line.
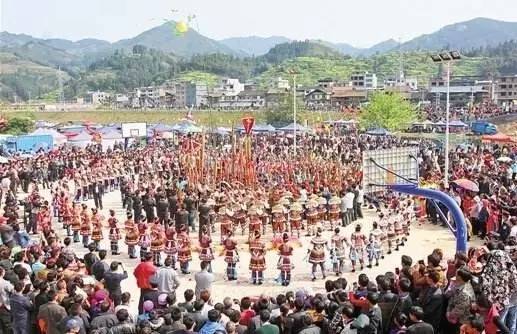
[[110, 138], [58, 138], [82, 139]]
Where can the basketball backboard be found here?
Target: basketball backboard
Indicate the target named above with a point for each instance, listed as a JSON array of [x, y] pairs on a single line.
[[389, 166]]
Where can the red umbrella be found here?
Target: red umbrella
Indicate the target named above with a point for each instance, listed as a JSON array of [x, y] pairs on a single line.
[[467, 185]]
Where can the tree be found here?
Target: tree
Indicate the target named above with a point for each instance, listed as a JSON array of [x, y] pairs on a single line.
[[19, 125], [389, 111], [282, 114]]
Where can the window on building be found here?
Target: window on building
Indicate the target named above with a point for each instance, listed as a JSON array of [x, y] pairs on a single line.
[[503, 79], [503, 93], [503, 86]]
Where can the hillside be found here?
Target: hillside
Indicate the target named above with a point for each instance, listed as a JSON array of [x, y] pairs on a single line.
[[163, 38], [254, 45], [479, 32], [25, 79], [296, 49]]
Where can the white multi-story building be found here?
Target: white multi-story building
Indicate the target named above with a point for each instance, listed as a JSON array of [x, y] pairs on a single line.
[[96, 98], [279, 83], [364, 80], [230, 86]]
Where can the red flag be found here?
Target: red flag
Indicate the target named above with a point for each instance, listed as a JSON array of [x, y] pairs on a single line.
[[247, 123]]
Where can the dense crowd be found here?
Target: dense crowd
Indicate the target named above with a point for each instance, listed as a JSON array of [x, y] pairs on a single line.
[[45, 287]]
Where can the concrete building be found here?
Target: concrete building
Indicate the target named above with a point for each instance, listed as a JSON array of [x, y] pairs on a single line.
[[463, 89], [96, 98], [230, 86], [412, 83], [506, 90], [347, 95], [196, 95], [364, 80], [317, 97], [279, 83]]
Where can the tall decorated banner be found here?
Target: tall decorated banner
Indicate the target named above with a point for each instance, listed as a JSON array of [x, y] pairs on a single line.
[[247, 159]]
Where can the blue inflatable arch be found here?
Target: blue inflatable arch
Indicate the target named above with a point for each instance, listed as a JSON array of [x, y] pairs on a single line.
[[461, 227]]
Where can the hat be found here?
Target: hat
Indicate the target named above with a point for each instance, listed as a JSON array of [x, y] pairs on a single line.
[[277, 209], [148, 306], [322, 201], [297, 207], [335, 201], [252, 210], [162, 299], [72, 324]]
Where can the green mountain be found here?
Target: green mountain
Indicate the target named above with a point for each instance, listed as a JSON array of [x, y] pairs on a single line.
[[296, 49], [163, 38], [254, 45], [479, 32]]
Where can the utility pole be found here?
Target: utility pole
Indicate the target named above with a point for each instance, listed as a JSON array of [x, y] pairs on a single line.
[[61, 92]]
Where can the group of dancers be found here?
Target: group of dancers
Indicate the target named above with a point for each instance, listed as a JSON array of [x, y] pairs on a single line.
[[287, 214]]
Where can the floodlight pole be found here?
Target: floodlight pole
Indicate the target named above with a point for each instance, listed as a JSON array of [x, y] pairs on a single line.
[[294, 113], [447, 112]]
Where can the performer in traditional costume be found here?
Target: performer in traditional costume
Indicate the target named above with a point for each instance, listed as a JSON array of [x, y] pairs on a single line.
[[239, 217], [225, 217], [255, 223], [278, 219], [132, 236], [97, 228], [76, 221], [322, 211], [358, 244], [397, 226], [144, 241], [86, 229], [184, 250], [338, 247], [67, 212], [317, 254], [312, 216], [285, 251], [295, 218], [231, 256], [171, 245], [334, 212], [390, 231], [258, 259], [374, 247], [157, 245], [205, 244], [114, 233]]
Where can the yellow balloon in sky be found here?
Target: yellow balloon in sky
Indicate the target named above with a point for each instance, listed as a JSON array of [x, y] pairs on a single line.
[[181, 27]]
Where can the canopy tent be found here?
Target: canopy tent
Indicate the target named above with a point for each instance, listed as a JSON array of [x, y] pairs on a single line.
[[161, 127], [186, 126], [110, 138], [291, 127], [458, 124], [58, 138], [258, 128], [82, 139], [43, 124], [497, 138], [378, 132], [341, 122], [221, 131]]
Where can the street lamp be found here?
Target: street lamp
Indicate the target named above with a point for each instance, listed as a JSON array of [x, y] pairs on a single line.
[[446, 57]]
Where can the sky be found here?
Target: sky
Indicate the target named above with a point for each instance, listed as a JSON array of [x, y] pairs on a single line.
[[360, 23]]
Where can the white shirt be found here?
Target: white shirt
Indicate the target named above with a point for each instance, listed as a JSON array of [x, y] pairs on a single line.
[[6, 288], [167, 279], [349, 200], [513, 231], [360, 196]]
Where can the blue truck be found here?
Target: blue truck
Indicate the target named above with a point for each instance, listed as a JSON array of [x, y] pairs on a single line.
[[483, 128], [29, 144]]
